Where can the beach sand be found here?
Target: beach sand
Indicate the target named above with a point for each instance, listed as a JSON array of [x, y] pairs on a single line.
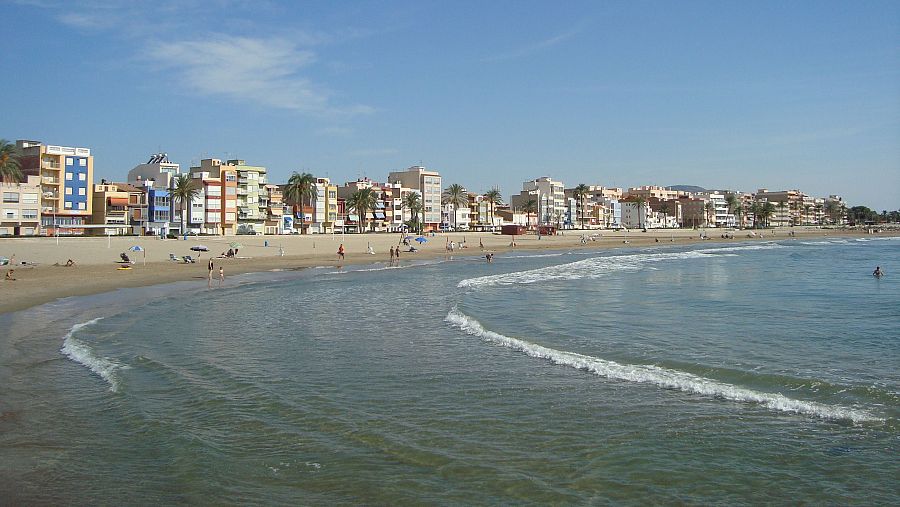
[[45, 278]]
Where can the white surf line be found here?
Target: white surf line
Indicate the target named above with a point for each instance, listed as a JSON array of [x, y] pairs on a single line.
[[83, 354], [662, 377]]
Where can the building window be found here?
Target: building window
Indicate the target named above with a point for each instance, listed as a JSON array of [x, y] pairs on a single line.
[[69, 161], [81, 205], [29, 198], [29, 214], [230, 190], [68, 205], [82, 177], [229, 217], [68, 190], [82, 191], [10, 213], [82, 162], [230, 177], [10, 197]]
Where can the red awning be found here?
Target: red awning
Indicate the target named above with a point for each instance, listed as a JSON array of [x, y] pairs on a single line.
[[118, 201]]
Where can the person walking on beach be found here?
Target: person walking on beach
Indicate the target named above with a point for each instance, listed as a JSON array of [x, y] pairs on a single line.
[[392, 256], [209, 273], [340, 252], [221, 275]]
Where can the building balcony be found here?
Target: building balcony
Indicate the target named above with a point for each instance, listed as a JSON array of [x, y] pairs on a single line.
[[47, 209], [50, 180], [49, 165]]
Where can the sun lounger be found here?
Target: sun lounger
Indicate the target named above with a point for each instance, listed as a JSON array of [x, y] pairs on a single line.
[[188, 259], [172, 257]]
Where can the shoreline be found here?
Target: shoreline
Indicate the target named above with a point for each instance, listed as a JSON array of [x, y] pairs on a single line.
[[96, 270]]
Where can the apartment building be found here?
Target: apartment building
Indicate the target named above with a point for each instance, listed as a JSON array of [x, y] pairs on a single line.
[[651, 191], [275, 217], [250, 190], [112, 206], [67, 175], [788, 204], [156, 178], [428, 184], [219, 185], [21, 207], [549, 196]]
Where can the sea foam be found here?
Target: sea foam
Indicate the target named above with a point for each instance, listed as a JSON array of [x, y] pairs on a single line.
[[596, 267], [83, 354], [662, 377]]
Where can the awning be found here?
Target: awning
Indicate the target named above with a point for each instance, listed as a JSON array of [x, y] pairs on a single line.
[[118, 201], [379, 215], [379, 205]]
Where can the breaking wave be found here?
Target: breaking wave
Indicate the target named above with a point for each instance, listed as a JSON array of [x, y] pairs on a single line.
[[661, 377], [83, 354]]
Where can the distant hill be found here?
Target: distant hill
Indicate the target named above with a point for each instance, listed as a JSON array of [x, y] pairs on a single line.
[[686, 188]]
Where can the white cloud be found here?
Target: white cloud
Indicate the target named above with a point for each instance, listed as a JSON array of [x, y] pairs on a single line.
[[536, 46], [263, 71]]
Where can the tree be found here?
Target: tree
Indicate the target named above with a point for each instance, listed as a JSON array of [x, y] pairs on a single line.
[[580, 193], [709, 208], [363, 200], [413, 202], [456, 196], [10, 169], [781, 206], [184, 190], [664, 209], [835, 211], [733, 204], [299, 187], [494, 198], [640, 201], [765, 211], [806, 208], [529, 207]]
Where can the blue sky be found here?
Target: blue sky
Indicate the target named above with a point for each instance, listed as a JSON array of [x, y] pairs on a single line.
[[738, 95]]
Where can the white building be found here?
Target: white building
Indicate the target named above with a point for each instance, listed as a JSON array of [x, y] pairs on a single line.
[[428, 183], [549, 196]]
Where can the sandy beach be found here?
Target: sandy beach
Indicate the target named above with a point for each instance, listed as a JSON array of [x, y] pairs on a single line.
[[44, 276]]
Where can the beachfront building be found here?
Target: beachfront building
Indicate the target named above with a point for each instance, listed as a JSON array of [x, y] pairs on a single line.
[[428, 184], [834, 210], [637, 215], [67, 176], [666, 212], [719, 216], [549, 198], [250, 190], [694, 212], [156, 178], [651, 191], [218, 185], [158, 169], [274, 205], [112, 207], [21, 211], [788, 204], [457, 219]]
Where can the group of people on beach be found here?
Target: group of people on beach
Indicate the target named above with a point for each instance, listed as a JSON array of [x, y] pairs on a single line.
[[395, 256]]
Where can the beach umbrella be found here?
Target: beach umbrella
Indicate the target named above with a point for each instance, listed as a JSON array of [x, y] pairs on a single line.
[[421, 240], [199, 248], [139, 248]]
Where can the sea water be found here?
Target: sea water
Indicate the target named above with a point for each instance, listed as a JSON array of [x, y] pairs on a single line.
[[763, 372]]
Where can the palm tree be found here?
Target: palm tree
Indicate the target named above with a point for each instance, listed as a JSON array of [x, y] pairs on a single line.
[[732, 202], [781, 206], [300, 186], [494, 198], [806, 208], [10, 170], [413, 202], [640, 201], [456, 196], [184, 190], [766, 210], [580, 193], [664, 209], [709, 207], [363, 200], [529, 207]]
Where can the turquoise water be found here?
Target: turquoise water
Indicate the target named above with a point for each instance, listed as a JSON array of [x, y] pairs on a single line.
[[746, 373]]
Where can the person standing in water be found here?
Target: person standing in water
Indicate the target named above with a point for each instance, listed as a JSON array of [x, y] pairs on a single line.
[[878, 272], [221, 275], [340, 252]]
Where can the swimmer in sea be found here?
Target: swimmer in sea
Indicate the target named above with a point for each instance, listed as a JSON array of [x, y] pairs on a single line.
[[878, 272]]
